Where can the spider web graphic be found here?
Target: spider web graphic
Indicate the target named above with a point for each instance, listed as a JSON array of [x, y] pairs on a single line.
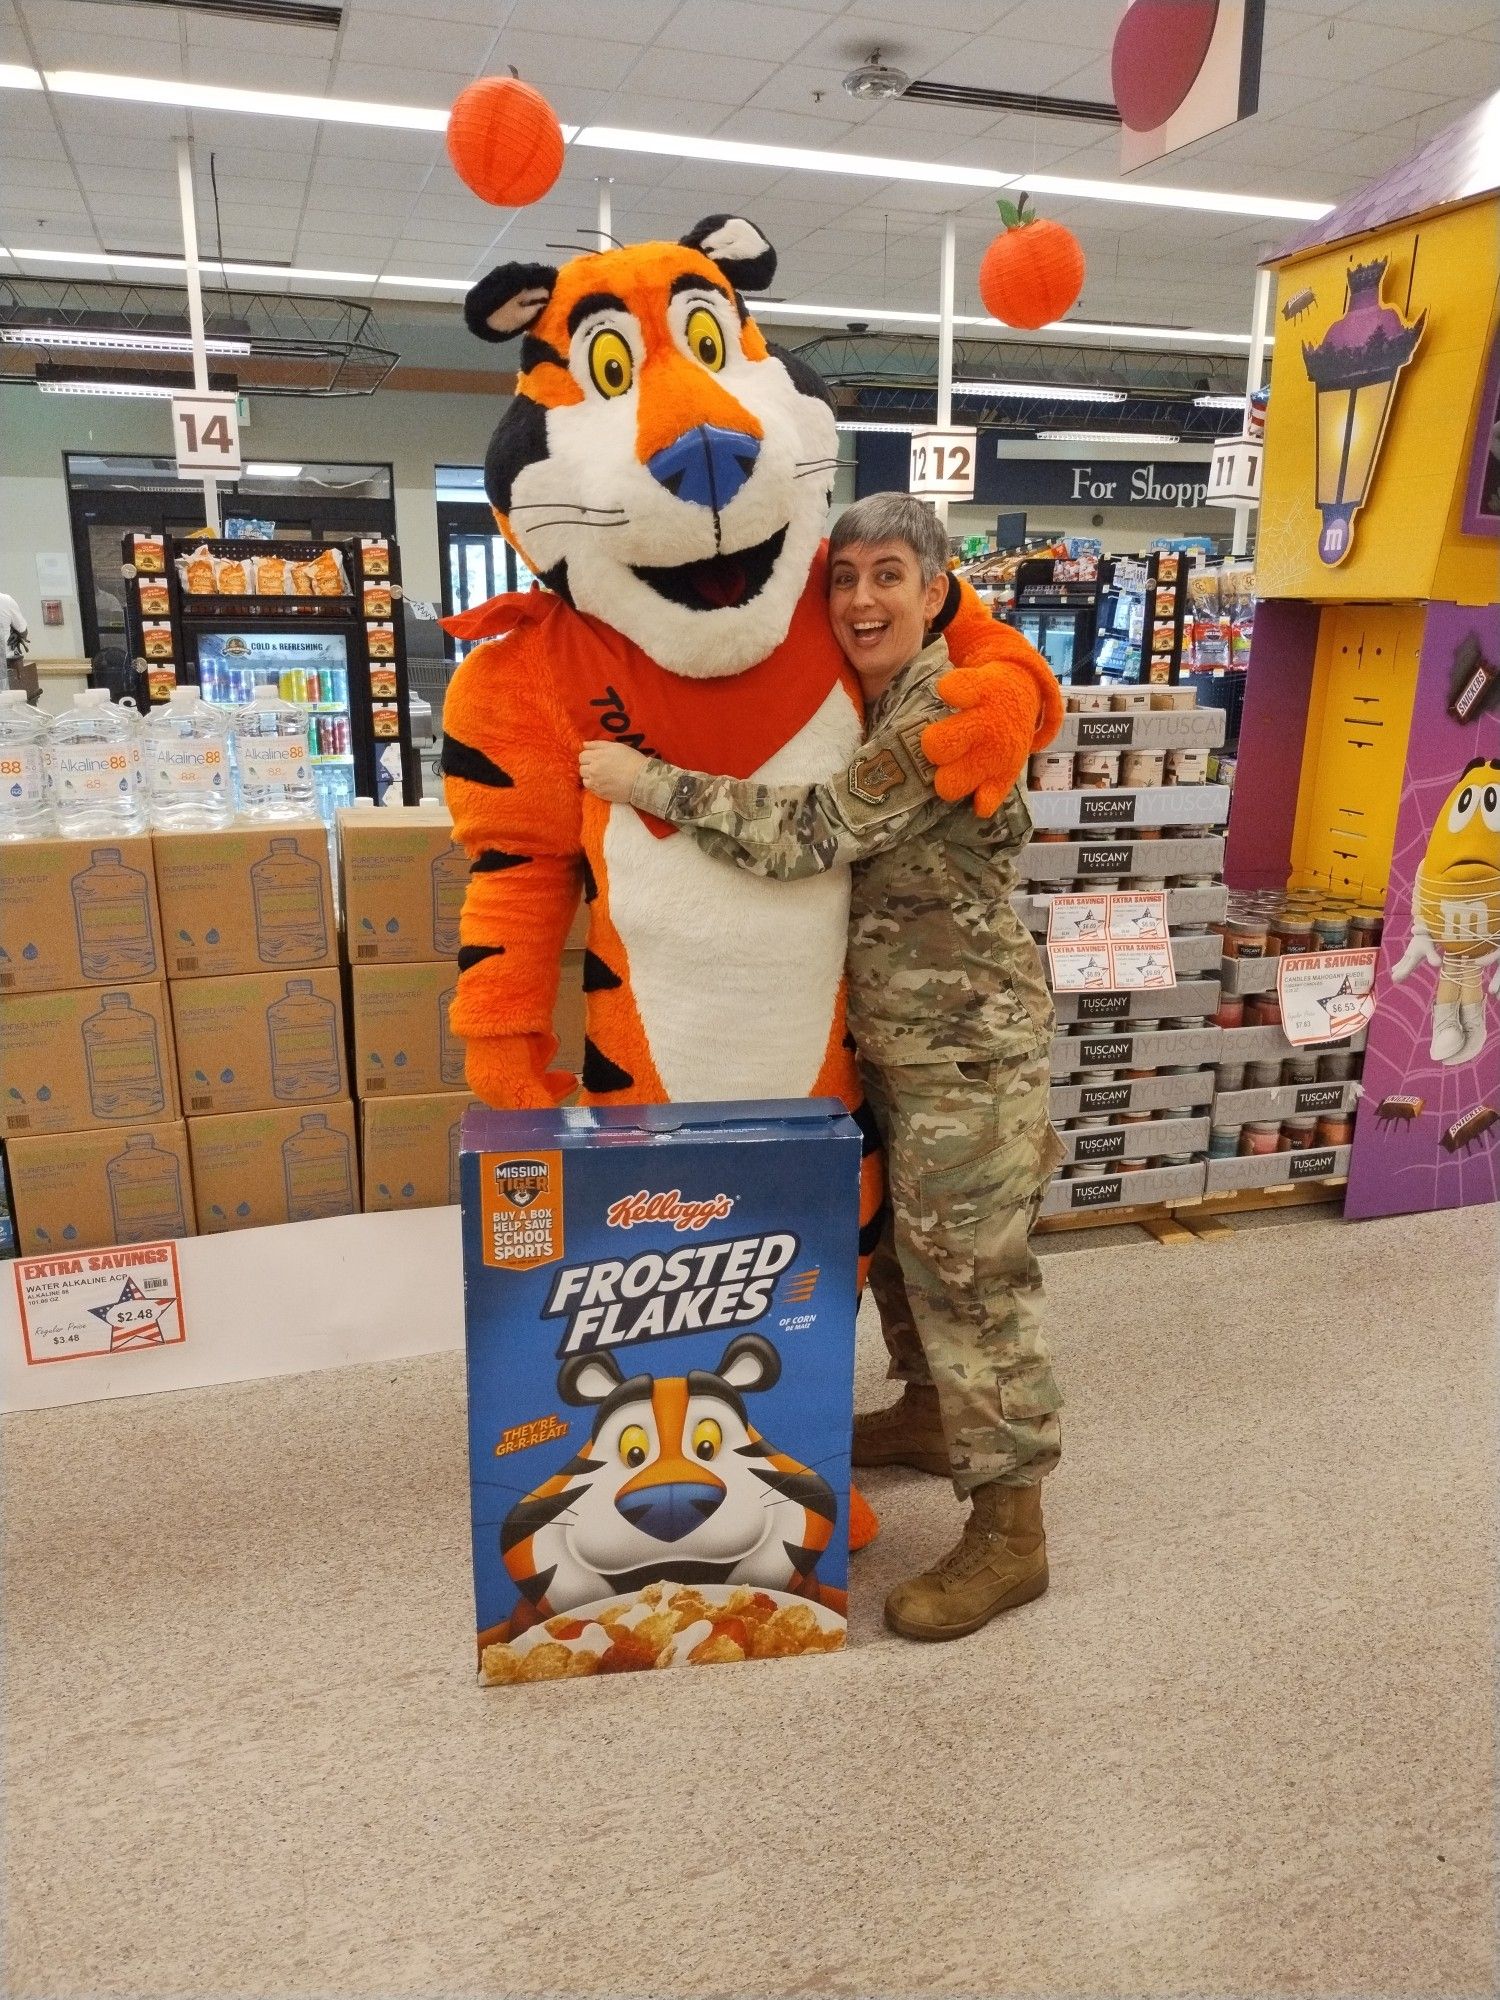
[[1400, 1168]]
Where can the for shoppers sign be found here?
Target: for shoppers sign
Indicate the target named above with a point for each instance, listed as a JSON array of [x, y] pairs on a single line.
[[1175, 485], [93, 1302]]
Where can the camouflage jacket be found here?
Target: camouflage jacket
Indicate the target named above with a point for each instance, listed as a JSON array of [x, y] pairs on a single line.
[[940, 966]]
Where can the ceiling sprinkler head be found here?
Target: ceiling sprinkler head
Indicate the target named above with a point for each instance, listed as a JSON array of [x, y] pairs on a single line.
[[875, 80]]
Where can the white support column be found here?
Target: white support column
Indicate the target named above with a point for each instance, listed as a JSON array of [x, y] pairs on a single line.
[[606, 215], [195, 306], [1260, 323], [945, 341]]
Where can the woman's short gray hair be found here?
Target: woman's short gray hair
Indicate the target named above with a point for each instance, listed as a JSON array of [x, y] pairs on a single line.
[[894, 517]]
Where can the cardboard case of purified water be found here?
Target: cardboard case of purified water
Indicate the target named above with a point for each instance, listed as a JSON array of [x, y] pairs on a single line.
[[659, 1307]]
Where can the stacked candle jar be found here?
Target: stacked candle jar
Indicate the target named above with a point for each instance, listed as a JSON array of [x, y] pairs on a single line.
[[1270, 1095], [1122, 803]]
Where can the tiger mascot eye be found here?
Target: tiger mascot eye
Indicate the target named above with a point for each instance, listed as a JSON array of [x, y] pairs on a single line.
[[667, 475], [675, 1484]]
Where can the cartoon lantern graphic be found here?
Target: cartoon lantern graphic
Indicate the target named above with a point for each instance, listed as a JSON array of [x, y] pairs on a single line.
[[1354, 370]]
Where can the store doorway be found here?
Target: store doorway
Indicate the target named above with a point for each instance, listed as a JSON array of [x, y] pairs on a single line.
[[477, 561]]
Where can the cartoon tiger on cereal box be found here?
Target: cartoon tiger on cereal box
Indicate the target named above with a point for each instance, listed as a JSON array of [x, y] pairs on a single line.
[[675, 1485]]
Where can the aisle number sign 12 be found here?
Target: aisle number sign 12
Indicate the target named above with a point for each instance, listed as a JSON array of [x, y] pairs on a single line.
[[942, 464], [206, 432]]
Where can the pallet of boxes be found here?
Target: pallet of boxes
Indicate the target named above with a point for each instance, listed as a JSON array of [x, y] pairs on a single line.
[[95, 1148], [403, 881], [1124, 814], [251, 945]]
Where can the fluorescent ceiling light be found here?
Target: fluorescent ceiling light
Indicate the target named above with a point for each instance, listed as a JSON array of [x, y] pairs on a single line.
[[266, 468], [149, 261], [1046, 392], [122, 342], [622, 139], [156, 391], [1218, 402], [264, 103], [902, 430], [1107, 437], [18, 76]]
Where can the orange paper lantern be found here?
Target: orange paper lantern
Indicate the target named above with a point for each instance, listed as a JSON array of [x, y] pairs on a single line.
[[504, 141], [1033, 271]]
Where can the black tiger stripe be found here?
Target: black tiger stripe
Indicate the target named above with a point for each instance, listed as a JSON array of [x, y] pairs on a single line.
[[597, 977], [590, 885], [462, 760], [803, 1561], [538, 353], [806, 1488], [871, 1232], [600, 1074], [534, 1512], [864, 1118], [534, 1587], [475, 954], [491, 860]]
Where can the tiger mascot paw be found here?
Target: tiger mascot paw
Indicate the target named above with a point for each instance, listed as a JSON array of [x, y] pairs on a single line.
[[511, 1070], [1009, 707]]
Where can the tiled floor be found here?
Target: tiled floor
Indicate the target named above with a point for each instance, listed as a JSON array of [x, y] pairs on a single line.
[[1243, 1746]]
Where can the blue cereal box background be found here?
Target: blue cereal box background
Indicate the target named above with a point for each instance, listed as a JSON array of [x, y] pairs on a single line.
[[659, 1304]]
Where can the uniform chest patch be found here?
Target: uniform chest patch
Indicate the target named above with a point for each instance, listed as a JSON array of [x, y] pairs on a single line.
[[874, 778]]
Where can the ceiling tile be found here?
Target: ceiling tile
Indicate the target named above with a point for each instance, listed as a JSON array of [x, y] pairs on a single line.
[[1345, 50], [260, 69], [634, 21], [708, 27], [854, 37], [1453, 17], [545, 59], [724, 80], [426, 41], [1081, 24], [397, 83], [1004, 62]]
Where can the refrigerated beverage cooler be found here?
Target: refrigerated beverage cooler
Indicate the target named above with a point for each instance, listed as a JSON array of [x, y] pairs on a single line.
[[318, 621], [1056, 608]]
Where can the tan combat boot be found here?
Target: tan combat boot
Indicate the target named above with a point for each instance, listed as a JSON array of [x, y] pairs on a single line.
[[907, 1433], [1000, 1561]]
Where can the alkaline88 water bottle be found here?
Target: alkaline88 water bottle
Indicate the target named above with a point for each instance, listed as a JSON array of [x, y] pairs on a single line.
[[25, 809], [273, 772], [187, 764], [93, 763]]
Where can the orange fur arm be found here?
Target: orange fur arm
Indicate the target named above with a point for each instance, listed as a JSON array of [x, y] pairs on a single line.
[[510, 768], [1010, 706]]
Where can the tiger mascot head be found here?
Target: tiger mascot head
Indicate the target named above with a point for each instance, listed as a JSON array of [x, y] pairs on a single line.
[[674, 1485], [662, 466]]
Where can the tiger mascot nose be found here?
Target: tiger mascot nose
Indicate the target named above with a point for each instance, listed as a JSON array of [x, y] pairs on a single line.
[[670, 1511], [707, 464]]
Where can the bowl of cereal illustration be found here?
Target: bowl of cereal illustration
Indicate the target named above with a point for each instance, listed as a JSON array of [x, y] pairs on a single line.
[[665, 1625]]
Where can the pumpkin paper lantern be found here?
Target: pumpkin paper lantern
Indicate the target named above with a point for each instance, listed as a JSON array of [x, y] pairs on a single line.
[[1033, 271], [504, 141]]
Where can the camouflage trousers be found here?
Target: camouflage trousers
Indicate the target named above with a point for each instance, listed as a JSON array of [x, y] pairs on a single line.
[[969, 1150]]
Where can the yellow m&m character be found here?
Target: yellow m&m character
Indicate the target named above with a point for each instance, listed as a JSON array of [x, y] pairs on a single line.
[[1456, 912]]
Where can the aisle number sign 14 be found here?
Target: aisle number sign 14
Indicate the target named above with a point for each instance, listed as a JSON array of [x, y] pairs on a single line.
[[942, 464], [206, 432]]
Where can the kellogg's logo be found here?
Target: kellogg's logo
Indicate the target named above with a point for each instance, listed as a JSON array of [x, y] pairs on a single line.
[[670, 1207]]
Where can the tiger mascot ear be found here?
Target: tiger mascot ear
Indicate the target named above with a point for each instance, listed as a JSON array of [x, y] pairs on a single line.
[[588, 1378], [507, 300], [739, 249], [750, 1362]]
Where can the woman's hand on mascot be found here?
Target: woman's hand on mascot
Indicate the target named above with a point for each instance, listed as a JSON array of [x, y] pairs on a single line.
[[511, 1073], [609, 770], [1009, 706]]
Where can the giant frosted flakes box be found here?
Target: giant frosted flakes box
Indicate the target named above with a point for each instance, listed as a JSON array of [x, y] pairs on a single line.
[[659, 1303]]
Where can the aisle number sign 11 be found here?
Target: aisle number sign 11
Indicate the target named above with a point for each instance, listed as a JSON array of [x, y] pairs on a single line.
[[206, 432], [942, 464]]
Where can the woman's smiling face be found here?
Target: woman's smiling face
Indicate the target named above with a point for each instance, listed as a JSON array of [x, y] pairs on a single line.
[[880, 608]]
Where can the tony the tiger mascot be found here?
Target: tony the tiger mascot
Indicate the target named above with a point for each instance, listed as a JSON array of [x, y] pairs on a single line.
[[674, 1485], [667, 475]]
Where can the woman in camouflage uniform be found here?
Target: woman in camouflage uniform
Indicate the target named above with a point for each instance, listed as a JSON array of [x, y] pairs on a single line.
[[949, 1006]]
